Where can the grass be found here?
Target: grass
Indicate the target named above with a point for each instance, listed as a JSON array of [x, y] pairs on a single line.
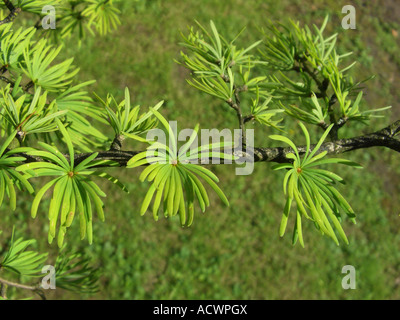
[[235, 252]]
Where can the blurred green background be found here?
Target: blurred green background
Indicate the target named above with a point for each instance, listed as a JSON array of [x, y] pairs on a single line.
[[236, 252]]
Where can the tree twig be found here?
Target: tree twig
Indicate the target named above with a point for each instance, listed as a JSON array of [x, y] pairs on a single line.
[[9, 5], [35, 289], [3, 291], [12, 15], [236, 106], [116, 145]]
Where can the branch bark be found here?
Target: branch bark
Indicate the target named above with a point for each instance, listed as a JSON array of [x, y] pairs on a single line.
[[5, 283], [9, 5], [13, 12], [386, 137]]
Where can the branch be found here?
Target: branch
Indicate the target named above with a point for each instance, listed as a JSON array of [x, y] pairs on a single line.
[[116, 145], [5, 283], [386, 137], [118, 156], [13, 12], [25, 88], [9, 5], [29, 85], [6, 80], [323, 88], [236, 106], [248, 118], [3, 69]]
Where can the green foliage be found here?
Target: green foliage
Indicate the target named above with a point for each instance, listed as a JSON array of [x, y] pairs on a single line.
[[214, 54], [222, 70], [103, 15], [185, 264], [314, 57], [30, 118], [285, 46], [343, 87], [74, 193], [79, 120], [74, 18], [312, 189], [317, 88], [126, 120], [38, 70], [78, 18], [8, 176], [36, 6], [262, 114], [74, 272], [73, 269], [315, 60], [311, 111], [19, 260], [173, 176], [29, 63], [13, 44]]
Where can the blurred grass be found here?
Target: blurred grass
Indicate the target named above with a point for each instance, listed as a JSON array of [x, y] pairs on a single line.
[[235, 252]]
